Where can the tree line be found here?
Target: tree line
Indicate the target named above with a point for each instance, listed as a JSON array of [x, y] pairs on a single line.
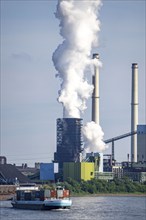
[[96, 186]]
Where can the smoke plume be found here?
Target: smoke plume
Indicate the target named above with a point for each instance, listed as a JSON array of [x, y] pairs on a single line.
[[93, 138], [79, 27]]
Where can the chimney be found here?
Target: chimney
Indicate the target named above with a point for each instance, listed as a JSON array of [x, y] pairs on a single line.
[[95, 95], [134, 111]]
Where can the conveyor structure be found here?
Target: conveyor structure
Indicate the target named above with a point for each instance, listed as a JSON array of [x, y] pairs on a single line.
[[112, 140]]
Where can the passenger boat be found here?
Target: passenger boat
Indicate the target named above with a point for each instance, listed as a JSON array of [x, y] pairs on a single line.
[[30, 196]]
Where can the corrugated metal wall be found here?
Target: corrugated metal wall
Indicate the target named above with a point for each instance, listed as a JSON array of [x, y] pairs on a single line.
[[78, 171]]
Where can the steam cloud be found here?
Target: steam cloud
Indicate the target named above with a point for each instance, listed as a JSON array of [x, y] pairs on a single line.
[[93, 137], [79, 27]]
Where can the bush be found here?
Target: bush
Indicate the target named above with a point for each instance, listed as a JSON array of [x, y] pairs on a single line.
[[94, 186], [102, 186]]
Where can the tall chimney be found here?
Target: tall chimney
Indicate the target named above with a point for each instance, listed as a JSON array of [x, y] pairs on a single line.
[[95, 95], [134, 111]]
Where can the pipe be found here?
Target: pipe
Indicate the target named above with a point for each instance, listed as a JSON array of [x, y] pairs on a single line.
[[134, 111], [95, 95]]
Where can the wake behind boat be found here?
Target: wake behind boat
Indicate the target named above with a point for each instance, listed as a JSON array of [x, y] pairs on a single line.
[[30, 196]]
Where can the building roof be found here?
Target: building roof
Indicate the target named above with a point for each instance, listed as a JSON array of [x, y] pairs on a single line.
[[9, 173]]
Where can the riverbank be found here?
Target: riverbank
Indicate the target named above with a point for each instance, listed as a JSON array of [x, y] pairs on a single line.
[[110, 194], [7, 192], [6, 197], [10, 196]]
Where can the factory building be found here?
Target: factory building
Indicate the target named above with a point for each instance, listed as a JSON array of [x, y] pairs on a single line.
[[134, 171], [141, 143], [69, 141], [78, 171], [108, 176], [91, 168], [97, 158], [48, 171]]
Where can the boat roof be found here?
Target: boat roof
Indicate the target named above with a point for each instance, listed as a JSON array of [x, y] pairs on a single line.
[[27, 186]]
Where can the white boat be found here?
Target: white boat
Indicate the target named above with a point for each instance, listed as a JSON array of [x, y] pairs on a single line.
[[32, 197]]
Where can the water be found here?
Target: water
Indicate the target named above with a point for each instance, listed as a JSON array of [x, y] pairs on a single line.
[[84, 208]]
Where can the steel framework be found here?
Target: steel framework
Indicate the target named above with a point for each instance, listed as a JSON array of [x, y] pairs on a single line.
[[69, 141]]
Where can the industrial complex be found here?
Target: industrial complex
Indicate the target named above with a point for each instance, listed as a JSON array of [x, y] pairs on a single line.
[[68, 159], [97, 165]]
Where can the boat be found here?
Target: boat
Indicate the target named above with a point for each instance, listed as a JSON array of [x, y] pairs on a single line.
[[31, 196]]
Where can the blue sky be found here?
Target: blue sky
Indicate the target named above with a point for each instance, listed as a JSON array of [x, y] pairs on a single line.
[[29, 89]]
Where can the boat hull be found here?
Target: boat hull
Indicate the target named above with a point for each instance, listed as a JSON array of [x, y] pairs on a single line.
[[43, 205], [58, 204]]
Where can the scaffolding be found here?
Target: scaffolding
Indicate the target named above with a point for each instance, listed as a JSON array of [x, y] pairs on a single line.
[[69, 140]]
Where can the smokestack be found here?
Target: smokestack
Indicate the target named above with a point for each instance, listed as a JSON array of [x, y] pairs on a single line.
[[95, 95], [134, 111]]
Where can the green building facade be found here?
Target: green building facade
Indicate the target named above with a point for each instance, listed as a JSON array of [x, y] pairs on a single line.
[[78, 171]]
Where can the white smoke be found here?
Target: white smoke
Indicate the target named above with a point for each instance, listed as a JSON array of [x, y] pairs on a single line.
[[93, 137], [79, 27]]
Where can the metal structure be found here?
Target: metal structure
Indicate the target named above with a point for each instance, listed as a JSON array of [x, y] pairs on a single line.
[[95, 95], [134, 111], [68, 140], [141, 143], [112, 140]]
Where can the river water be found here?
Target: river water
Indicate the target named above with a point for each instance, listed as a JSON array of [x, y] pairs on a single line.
[[84, 208]]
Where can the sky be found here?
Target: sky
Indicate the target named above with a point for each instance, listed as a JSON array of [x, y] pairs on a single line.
[[29, 88]]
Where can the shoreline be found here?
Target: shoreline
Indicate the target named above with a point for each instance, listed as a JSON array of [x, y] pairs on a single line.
[[112, 195], [10, 197], [6, 197]]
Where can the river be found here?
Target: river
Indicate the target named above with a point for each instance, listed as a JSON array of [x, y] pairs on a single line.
[[84, 208]]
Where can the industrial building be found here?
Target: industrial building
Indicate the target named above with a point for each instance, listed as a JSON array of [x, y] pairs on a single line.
[[97, 159], [134, 171], [48, 171], [91, 168], [69, 141], [141, 143], [9, 174], [78, 171], [108, 176]]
